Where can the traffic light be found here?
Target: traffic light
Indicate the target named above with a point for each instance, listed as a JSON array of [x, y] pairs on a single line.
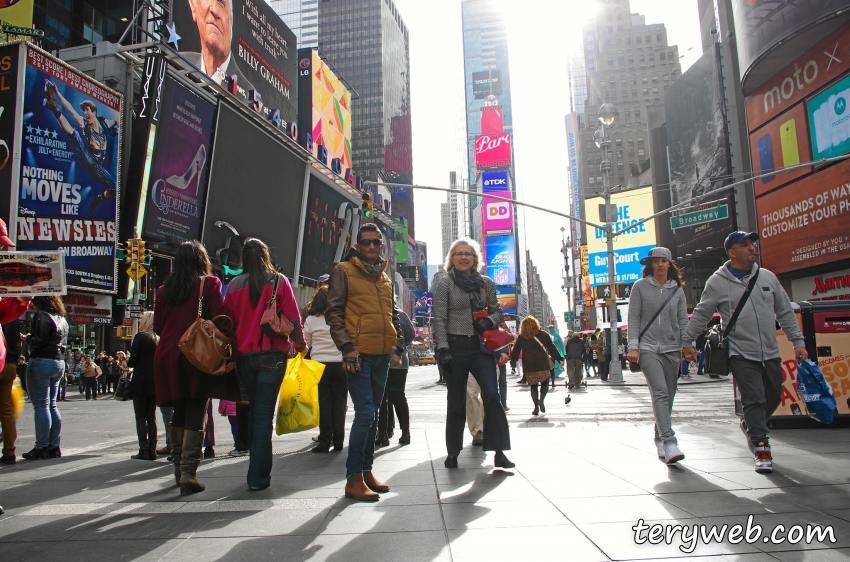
[[368, 212]]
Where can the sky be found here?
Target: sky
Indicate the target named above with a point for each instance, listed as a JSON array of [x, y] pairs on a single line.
[[541, 34]]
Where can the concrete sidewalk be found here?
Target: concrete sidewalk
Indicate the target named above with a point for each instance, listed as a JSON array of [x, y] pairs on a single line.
[[577, 491]]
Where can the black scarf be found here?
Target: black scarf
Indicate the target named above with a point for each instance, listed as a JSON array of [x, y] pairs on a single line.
[[471, 283]]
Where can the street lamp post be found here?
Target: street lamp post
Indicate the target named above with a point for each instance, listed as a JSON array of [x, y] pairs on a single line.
[[607, 113]]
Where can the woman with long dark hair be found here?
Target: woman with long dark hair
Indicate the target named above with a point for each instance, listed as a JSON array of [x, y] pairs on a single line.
[[261, 358], [143, 386], [178, 383], [537, 348], [464, 291], [47, 342], [333, 386], [658, 318]]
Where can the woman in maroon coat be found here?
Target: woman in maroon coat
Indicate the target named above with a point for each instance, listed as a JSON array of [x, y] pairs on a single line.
[[178, 383]]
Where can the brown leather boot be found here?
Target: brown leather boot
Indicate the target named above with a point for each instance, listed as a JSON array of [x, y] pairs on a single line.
[[189, 461], [373, 483], [176, 450], [356, 489]]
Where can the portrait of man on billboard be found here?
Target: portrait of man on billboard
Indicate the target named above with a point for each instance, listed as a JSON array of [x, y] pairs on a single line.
[[88, 135], [214, 19]]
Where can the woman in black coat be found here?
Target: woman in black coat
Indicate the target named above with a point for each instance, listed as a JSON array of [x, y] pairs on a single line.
[[537, 350], [143, 387]]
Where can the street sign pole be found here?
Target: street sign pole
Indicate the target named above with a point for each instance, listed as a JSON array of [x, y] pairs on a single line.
[[135, 266]]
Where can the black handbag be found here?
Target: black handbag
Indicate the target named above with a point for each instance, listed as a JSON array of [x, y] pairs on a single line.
[[122, 390], [716, 349], [635, 367]]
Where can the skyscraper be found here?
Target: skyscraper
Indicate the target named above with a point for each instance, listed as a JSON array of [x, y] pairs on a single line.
[[629, 64], [448, 217], [485, 47], [368, 43], [302, 17]]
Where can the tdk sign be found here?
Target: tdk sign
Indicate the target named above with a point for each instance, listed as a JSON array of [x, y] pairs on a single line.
[[495, 181]]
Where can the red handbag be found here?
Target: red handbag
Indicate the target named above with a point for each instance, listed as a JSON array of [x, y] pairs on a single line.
[[494, 338]]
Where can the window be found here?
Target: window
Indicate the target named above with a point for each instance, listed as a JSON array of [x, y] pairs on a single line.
[[613, 84], [588, 144], [631, 153], [590, 169], [637, 114], [641, 58], [666, 77], [620, 154], [655, 78], [648, 39], [662, 56], [651, 58], [646, 91], [599, 179], [611, 61], [634, 93], [610, 29], [607, 42], [628, 40], [658, 38], [641, 153], [625, 94], [638, 40], [619, 42], [621, 60], [655, 90], [591, 180], [619, 142], [643, 80], [640, 141], [631, 58], [619, 28]]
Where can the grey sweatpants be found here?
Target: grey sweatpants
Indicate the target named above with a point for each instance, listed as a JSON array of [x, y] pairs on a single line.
[[760, 385], [662, 375]]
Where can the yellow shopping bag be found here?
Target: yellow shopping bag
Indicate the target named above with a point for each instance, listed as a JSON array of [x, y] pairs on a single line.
[[17, 397], [298, 404]]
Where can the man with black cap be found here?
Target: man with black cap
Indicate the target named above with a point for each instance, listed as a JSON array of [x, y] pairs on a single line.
[[753, 348]]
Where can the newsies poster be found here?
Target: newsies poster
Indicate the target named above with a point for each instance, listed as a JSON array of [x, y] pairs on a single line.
[[67, 185]]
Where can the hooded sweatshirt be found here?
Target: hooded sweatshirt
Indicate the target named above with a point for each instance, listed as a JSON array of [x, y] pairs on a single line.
[[754, 335], [666, 335]]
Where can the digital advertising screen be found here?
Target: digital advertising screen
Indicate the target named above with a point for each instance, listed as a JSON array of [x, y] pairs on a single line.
[[493, 151], [69, 180], [495, 181], [324, 107], [507, 299], [829, 120], [328, 229], [630, 246], [254, 197], [245, 39], [423, 304], [492, 120], [177, 180], [498, 215], [9, 60], [17, 13], [501, 259], [485, 83], [780, 143]]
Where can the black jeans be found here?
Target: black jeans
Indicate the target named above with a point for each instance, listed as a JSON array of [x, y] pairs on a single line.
[[190, 414], [503, 384], [90, 384], [760, 385], [145, 409], [467, 358], [333, 397], [245, 433], [394, 397]]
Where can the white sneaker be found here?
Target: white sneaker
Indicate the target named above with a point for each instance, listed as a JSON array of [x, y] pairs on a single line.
[[764, 460], [660, 446], [672, 454]]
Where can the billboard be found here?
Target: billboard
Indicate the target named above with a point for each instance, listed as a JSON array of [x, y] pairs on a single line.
[[762, 24], [88, 308], [507, 299], [699, 157], [267, 203], [498, 215], [486, 83], [501, 259], [493, 151], [809, 72], [829, 120], [423, 304], [780, 143], [17, 13], [32, 274], [805, 223], [324, 108], [492, 120], [242, 39], [495, 181], [9, 76], [832, 286], [331, 219], [176, 185], [69, 181], [572, 153], [629, 247]]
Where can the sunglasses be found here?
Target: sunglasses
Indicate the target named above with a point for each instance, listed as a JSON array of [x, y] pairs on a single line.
[[464, 254], [370, 242]]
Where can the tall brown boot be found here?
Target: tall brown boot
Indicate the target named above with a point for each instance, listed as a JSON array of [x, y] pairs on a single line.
[[176, 450], [356, 489], [193, 442], [373, 483]]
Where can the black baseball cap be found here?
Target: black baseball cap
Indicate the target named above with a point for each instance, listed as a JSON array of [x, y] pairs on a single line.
[[739, 236]]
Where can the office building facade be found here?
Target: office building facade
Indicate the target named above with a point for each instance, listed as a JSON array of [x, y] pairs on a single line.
[[302, 17]]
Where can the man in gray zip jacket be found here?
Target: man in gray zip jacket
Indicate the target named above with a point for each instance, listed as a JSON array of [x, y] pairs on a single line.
[[753, 348]]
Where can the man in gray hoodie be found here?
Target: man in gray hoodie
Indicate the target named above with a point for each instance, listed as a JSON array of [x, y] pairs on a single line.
[[753, 348]]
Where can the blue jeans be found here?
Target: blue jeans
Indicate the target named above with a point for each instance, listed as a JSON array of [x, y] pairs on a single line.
[[261, 375], [43, 385], [366, 388]]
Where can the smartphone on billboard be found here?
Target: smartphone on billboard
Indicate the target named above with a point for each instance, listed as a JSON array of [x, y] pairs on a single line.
[[788, 138], [765, 145]]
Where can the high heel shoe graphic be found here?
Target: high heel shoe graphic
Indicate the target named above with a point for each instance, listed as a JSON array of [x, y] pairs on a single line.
[[182, 182]]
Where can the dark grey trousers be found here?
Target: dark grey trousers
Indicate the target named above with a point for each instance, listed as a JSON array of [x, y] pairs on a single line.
[[760, 385]]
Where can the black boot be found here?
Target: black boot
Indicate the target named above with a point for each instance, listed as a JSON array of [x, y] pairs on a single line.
[[151, 450], [382, 440], [142, 434], [405, 437]]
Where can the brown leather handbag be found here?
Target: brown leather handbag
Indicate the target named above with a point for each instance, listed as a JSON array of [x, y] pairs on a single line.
[[206, 347], [273, 324]]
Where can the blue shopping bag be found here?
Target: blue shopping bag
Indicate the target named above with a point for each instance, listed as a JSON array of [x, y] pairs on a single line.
[[815, 392]]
